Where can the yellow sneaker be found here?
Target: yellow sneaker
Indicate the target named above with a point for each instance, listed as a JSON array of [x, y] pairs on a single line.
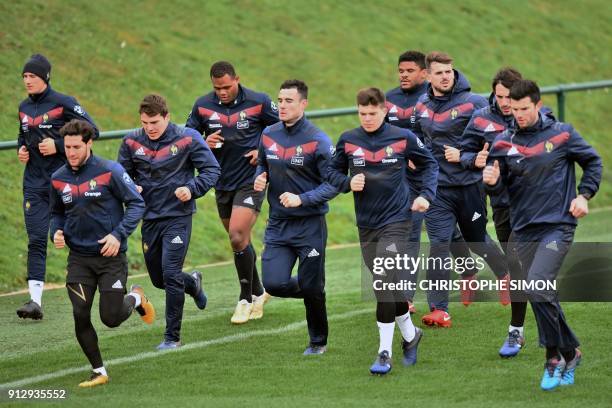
[[146, 309], [95, 380], [258, 306], [242, 312]]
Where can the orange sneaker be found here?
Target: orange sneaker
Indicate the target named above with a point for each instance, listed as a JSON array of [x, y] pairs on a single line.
[[438, 318], [467, 294], [146, 309], [504, 295]]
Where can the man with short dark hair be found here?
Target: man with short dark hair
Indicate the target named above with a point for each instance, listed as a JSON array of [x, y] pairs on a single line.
[[293, 158], [441, 116], [401, 102], [484, 126], [375, 157], [87, 199], [41, 149], [535, 162], [232, 118], [161, 157]]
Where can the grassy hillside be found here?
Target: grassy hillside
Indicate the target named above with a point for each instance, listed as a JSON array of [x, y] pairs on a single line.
[[111, 53]]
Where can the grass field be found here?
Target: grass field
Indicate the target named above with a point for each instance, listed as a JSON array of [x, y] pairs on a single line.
[[109, 54], [260, 363]]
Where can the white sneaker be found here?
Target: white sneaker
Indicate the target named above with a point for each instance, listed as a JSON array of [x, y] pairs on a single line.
[[258, 306], [242, 312]]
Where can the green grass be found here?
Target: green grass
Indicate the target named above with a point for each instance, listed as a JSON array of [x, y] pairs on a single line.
[[262, 363], [336, 47]]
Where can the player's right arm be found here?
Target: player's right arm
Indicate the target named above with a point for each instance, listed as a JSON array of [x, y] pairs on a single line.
[[262, 171], [58, 218], [337, 174], [22, 151]]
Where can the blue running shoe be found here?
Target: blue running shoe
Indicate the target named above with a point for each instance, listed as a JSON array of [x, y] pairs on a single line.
[[567, 378], [200, 297], [513, 344], [168, 345], [410, 348], [553, 369], [314, 349], [382, 364]]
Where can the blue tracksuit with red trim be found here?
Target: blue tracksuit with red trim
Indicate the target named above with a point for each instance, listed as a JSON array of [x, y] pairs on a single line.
[[87, 204], [296, 160], [41, 116], [241, 124], [441, 120], [160, 167], [537, 167], [400, 108], [382, 156]]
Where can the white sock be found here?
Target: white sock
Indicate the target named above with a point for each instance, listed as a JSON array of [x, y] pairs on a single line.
[[406, 327], [36, 290], [100, 370], [136, 296], [385, 331], [520, 329]]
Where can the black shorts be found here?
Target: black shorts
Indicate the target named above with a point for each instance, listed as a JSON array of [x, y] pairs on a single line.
[[109, 274], [245, 196]]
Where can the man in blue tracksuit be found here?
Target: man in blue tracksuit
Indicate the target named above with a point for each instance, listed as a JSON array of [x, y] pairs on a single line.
[[41, 149], [161, 157], [484, 126], [375, 156], [441, 116], [535, 163], [400, 104], [293, 158], [88, 196], [231, 118]]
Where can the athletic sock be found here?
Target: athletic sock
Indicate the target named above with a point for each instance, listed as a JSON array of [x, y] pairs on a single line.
[[100, 370], [36, 290], [385, 332], [406, 327], [519, 328], [257, 288], [137, 298], [244, 266]]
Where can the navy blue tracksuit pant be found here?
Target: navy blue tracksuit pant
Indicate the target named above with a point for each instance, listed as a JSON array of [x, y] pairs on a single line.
[[465, 206], [36, 215], [288, 240], [541, 250], [164, 245]]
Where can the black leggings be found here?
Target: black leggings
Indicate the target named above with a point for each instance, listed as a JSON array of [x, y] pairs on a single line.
[[115, 308]]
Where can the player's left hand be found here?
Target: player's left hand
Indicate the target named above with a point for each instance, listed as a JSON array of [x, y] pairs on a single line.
[[47, 147], [411, 165], [420, 204], [253, 154], [183, 194], [111, 245], [451, 154], [290, 200], [579, 207]]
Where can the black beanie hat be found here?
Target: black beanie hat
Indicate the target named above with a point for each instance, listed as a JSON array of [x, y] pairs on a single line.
[[39, 66]]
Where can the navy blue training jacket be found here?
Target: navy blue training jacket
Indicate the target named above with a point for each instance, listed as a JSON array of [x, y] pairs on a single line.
[[537, 168], [161, 166], [441, 120], [87, 204], [296, 159], [382, 156], [41, 116], [241, 124]]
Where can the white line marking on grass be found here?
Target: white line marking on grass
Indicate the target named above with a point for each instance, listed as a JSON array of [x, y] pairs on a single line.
[[190, 346]]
